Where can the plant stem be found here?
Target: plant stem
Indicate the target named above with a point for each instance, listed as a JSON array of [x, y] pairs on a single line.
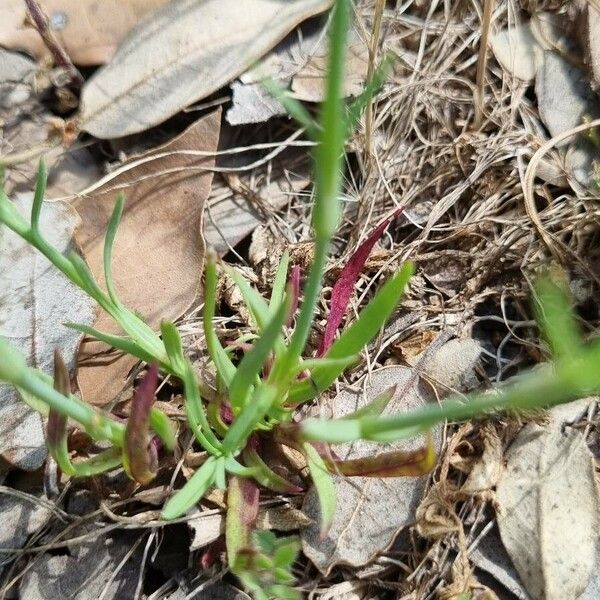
[[537, 390], [285, 367], [95, 423]]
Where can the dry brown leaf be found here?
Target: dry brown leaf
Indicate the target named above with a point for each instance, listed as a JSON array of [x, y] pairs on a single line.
[[548, 511], [370, 511], [182, 53], [158, 253], [89, 30], [35, 301]]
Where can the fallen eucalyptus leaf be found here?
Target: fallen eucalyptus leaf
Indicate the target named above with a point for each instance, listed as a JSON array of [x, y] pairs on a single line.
[[550, 537], [370, 511], [158, 252], [88, 30], [490, 556], [182, 53], [252, 104], [36, 299]]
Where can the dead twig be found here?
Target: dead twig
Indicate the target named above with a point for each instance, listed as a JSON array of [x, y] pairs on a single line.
[[61, 58]]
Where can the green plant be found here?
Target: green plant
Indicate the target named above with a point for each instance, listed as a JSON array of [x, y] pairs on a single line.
[[257, 396]]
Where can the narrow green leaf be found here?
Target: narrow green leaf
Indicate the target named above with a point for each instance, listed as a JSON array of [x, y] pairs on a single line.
[[371, 89], [125, 344], [38, 196], [101, 463], [293, 107], [254, 360], [220, 476], [109, 240], [192, 491], [173, 346], [235, 468], [223, 364], [556, 319], [310, 364], [323, 486], [261, 400], [195, 411], [163, 427], [355, 337], [375, 407], [266, 476], [279, 284], [259, 309], [328, 153]]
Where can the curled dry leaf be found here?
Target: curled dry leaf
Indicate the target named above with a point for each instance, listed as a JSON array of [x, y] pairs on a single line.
[[148, 79], [370, 511], [548, 497], [89, 30], [159, 250], [35, 301]]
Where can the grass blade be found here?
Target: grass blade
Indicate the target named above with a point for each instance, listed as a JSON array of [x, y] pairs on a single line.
[[278, 291], [294, 107], [38, 197], [223, 364], [109, 240], [122, 343], [192, 491], [253, 361], [355, 337], [556, 319], [323, 486], [266, 476], [261, 400]]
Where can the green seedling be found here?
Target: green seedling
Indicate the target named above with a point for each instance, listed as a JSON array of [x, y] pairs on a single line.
[[256, 396]]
